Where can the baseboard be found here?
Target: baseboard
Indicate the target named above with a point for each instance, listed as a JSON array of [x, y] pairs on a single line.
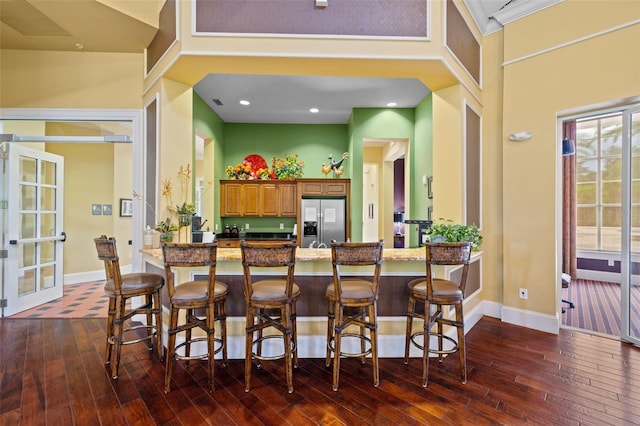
[[84, 277], [530, 319]]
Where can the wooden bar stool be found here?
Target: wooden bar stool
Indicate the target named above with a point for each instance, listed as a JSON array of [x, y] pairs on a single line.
[[272, 301], [120, 289], [353, 301], [194, 296], [439, 292]]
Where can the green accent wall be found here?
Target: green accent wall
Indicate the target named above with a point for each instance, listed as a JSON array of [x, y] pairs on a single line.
[[422, 154], [312, 142], [207, 123]]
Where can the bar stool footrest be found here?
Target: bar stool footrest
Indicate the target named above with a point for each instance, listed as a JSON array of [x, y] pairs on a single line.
[[112, 339], [435, 351], [217, 341], [273, 357], [351, 354]]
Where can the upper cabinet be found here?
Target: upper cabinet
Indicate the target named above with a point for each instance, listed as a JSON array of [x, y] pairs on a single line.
[[323, 187], [258, 198]]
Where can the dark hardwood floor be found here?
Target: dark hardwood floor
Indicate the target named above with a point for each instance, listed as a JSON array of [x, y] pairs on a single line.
[[51, 372]]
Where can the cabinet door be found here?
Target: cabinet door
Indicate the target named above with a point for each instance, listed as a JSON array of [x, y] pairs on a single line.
[[231, 199], [251, 198], [287, 200], [269, 199], [335, 188], [312, 188]]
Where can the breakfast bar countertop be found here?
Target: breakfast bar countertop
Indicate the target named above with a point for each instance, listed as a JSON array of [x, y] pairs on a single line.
[[315, 254]]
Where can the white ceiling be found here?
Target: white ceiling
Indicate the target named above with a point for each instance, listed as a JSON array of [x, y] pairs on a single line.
[[93, 26]]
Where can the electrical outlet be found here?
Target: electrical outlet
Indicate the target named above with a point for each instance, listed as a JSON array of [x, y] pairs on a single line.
[[246, 226], [524, 294], [611, 262], [282, 226]]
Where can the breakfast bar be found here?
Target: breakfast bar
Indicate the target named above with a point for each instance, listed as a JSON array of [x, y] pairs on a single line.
[[313, 272]]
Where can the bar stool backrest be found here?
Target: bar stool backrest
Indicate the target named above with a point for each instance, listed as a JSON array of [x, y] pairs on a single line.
[[179, 255], [267, 255], [108, 253], [458, 253], [356, 254]]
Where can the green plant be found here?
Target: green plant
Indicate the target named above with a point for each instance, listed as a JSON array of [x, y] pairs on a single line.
[[445, 230], [166, 227], [288, 167]]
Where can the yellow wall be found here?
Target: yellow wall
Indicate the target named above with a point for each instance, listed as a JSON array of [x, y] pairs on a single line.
[[40, 79], [537, 89]]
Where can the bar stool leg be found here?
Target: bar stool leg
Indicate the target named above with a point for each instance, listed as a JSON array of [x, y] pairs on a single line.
[[157, 309], [337, 340], [286, 322], [171, 349], [425, 351], [330, 331], [407, 334], [461, 344], [117, 337], [363, 358], [373, 333], [110, 330], [211, 330], [222, 314], [294, 334], [249, 343]]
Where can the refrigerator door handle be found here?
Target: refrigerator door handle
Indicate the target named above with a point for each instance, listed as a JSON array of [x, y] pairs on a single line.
[[371, 211]]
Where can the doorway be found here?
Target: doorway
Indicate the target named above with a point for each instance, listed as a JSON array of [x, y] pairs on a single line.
[[80, 133], [604, 172], [379, 188]]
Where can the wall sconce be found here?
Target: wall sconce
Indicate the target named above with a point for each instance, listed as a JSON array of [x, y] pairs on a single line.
[[322, 3], [520, 136], [568, 147]]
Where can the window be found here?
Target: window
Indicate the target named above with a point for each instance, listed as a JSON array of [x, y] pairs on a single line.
[[599, 184]]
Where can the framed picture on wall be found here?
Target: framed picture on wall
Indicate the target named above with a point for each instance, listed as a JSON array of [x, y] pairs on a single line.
[[106, 209], [126, 207], [96, 209]]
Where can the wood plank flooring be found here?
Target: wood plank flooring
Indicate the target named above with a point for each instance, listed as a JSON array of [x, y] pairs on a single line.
[[52, 373]]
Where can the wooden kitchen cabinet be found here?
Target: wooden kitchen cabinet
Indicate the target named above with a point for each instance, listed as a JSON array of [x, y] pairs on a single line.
[[230, 199], [323, 187], [287, 200], [258, 198]]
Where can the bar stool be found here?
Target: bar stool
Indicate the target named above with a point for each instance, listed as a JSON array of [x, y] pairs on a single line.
[[120, 289], [272, 301], [353, 301], [194, 296], [439, 292]]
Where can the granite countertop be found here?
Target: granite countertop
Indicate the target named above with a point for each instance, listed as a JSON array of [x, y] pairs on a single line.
[[315, 254]]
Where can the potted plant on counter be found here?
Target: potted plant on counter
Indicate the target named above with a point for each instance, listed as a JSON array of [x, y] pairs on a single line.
[[446, 231]]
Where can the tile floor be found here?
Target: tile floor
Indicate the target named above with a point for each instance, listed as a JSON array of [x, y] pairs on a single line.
[[83, 300]]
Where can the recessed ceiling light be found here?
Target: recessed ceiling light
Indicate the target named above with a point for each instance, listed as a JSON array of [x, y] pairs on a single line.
[[392, 104], [244, 102], [314, 110]]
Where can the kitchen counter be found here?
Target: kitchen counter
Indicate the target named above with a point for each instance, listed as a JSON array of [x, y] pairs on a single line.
[[313, 272]]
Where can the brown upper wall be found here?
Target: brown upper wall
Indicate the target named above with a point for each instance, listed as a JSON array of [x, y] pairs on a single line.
[[461, 41], [381, 18], [165, 36]]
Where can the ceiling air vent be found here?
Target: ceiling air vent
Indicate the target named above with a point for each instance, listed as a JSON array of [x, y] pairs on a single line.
[[217, 102]]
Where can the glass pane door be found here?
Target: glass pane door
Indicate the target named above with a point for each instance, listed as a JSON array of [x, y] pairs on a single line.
[[32, 227], [630, 286]]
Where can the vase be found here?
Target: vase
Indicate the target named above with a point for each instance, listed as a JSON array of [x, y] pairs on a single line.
[[184, 219]]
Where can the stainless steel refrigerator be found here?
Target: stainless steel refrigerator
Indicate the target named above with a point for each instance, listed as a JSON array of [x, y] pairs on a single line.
[[323, 220]]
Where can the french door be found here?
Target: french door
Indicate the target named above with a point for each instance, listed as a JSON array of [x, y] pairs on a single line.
[[630, 313], [32, 234]]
